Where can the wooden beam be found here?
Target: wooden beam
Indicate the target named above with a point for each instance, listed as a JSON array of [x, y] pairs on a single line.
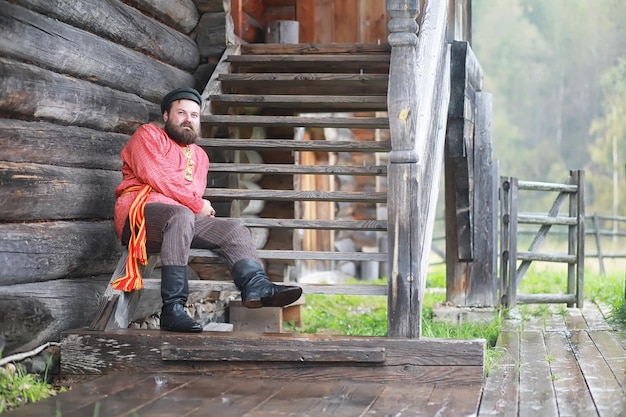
[[410, 360], [29, 90], [34, 252], [111, 20], [31, 37]]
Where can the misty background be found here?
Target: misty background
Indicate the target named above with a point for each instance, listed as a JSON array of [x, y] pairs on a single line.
[[557, 73]]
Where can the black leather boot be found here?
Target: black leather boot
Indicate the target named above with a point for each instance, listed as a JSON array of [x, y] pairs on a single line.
[[256, 288], [174, 291]]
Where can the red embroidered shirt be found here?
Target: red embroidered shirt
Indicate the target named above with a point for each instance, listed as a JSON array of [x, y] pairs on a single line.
[[151, 157]]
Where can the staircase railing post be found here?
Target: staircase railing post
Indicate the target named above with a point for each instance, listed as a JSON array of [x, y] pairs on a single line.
[[404, 296]]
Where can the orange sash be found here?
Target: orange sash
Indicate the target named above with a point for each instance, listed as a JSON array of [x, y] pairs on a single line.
[[137, 243]]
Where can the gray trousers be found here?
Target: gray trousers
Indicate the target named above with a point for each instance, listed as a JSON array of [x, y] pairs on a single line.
[[173, 230]]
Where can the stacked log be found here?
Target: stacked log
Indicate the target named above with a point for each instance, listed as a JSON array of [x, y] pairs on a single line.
[[77, 78]]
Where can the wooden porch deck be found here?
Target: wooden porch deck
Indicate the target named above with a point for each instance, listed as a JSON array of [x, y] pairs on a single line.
[[554, 365]]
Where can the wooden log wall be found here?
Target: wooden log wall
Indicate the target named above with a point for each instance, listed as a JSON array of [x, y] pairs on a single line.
[[77, 78]]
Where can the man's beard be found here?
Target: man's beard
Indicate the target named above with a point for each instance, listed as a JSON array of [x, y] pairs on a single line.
[[181, 135]]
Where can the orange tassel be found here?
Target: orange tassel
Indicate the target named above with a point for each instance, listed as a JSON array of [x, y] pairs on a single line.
[[137, 243]]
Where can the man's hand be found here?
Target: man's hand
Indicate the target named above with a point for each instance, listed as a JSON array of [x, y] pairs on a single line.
[[207, 209]]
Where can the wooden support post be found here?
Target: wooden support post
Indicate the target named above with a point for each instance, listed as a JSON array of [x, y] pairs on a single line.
[[404, 302], [505, 241], [577, 209], [482, 285], [512, 258], [596, 234]]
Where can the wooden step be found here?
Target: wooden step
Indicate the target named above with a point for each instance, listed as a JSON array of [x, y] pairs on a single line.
[[306, 103], [326, 289], [315, 48], [290, 195], [295, 145], [305, 84], [301, 255], [299, 169], [329, 63], [376, 225], [296, 121]]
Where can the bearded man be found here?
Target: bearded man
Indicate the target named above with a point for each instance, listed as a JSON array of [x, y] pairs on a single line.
[[160, 209]]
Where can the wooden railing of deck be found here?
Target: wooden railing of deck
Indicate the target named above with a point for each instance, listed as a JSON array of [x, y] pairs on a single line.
[[418, 98]]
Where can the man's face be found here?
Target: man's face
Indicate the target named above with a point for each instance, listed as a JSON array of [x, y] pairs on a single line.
[[182, 121]]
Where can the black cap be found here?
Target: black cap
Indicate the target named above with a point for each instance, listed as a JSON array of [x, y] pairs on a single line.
[[186, 93]]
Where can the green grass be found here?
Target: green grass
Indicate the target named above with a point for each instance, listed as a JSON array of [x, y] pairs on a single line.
[[18, 388]]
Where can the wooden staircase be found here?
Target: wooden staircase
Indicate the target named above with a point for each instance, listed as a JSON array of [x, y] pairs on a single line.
[[284, 89]]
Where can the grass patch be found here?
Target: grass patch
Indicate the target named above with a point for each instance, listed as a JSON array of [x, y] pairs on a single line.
[[18, 388]]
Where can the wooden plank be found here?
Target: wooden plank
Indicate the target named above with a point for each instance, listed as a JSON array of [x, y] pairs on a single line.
[[552, 220], [328, 289], [345, 21], [536, 392], [82, 396], [405, 296], [594, 317], [573, 397], [402, 400], [547, 186], [545, 257], [296, 121], [295, 145], [463, 400], [606, 391], [501, 391], [408, 360], [366, 63], [34, 191], [111, 19], [275, 354], [460, 145], [373, 22], [239, 400], [48, 143], [310, 83], [545, 298], [283, 169], [203, 393], [377, 225], [288, 195], [308, 48], [143, 392], [307, 102], [30, 92], [40, 40], [613, 353], [575, 320], [483, 275], [337, 398]]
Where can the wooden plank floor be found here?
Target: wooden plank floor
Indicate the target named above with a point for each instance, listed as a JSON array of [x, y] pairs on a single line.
[[561, 366], [558, 365]]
